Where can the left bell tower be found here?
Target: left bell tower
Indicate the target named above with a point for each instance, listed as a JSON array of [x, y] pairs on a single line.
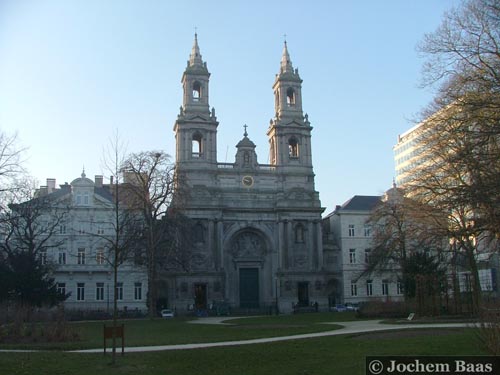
[[196, 126]]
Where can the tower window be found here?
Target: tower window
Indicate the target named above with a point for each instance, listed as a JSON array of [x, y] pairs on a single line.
[[196, 91], [293, 148], [196, 145], [290, 97]]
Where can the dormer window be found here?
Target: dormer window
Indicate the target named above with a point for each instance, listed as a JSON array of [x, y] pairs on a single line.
[[293, 148], [290, 97], [196, 91], [196, 145]]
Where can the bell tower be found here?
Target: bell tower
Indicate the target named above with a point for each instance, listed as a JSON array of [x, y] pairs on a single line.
[[289, 131], [196, 126]]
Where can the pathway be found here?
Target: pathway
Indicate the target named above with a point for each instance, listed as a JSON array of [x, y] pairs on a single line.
[[348, 328]]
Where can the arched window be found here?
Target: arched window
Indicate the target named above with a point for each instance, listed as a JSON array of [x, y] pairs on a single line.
[[196, 91], [293, 148], [290, 97], [246, 158], [196, 145], [299, 233]]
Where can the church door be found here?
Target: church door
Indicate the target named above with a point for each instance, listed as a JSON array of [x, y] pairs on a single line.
[[249, 287], [303, 293]]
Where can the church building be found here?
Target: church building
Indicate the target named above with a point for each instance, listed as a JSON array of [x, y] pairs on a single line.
[[257, 241]]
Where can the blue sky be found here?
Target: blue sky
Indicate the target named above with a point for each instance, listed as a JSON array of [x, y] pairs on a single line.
[[72, 72]]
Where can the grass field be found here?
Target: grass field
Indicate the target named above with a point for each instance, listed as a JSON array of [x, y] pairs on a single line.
[[179, 331], [342, 355]]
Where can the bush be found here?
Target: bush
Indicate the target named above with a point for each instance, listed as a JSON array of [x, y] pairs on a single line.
[[384, 309]]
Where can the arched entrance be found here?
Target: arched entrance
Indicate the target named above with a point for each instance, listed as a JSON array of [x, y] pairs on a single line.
[[248, 249]]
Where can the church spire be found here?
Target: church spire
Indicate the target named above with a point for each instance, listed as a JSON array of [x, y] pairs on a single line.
[[195, 57], [286, 63]]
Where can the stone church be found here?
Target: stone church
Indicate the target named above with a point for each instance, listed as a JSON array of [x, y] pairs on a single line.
[[257, 237]]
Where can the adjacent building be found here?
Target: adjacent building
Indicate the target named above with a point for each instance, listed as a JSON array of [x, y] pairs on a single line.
[[347, 230], [80, 251]]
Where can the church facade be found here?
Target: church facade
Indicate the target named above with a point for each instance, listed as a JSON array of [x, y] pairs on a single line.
[[257, 240]]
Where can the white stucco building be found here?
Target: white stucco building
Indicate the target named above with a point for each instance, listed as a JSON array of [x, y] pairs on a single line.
[[346, 228], [80, 259]]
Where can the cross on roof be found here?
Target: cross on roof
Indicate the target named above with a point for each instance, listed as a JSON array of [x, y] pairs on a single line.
[[245, 126]]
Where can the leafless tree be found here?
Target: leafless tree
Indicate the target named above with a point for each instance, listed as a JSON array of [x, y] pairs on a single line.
[[11, 166], [29, 229], [402, 227], [126, 225], [461, 164], [150, 183]]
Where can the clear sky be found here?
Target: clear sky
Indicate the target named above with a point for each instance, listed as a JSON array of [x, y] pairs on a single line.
[[72, 72]]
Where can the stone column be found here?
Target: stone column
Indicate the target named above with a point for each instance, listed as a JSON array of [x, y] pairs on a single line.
[[218, 241], [212, 244], [288, 244], [311, 242], [319, 244], [281, 245]]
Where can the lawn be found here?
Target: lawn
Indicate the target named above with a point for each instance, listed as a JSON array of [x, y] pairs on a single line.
[[341, 355], [180, 331]]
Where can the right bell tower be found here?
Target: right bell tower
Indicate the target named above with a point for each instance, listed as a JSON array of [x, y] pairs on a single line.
[[289, 131]]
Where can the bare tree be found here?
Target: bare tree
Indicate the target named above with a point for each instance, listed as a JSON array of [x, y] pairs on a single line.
[[29, 229], [11, 168], [461, 167], [151, 182], [126, 225]]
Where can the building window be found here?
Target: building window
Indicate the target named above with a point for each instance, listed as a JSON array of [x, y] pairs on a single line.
[[86, 198], [385, 287], [99, 291], [62, 257], [100, 229], [138, 291], [351, 230], [368, 230], [352, 256], [369, 288], [119, 291], [61, 288], [290, 97], [293, 148], [354, 289], [367, 255], [399, 287], [78, 199], [196, 91], [80, 292], [62, 229], [81, 256], [196, 145], [299, 233], [99, 256], [43, 257]]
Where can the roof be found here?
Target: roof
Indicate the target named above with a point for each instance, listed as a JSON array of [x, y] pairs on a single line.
[[361, 203]]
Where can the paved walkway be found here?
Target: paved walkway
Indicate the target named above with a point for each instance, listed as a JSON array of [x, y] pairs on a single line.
[[348, 328]]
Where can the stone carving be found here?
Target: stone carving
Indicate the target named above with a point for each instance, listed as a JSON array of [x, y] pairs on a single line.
[[248, 245], [300, 260]]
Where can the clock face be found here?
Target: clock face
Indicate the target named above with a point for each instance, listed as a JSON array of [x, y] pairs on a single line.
[[247, 181]]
